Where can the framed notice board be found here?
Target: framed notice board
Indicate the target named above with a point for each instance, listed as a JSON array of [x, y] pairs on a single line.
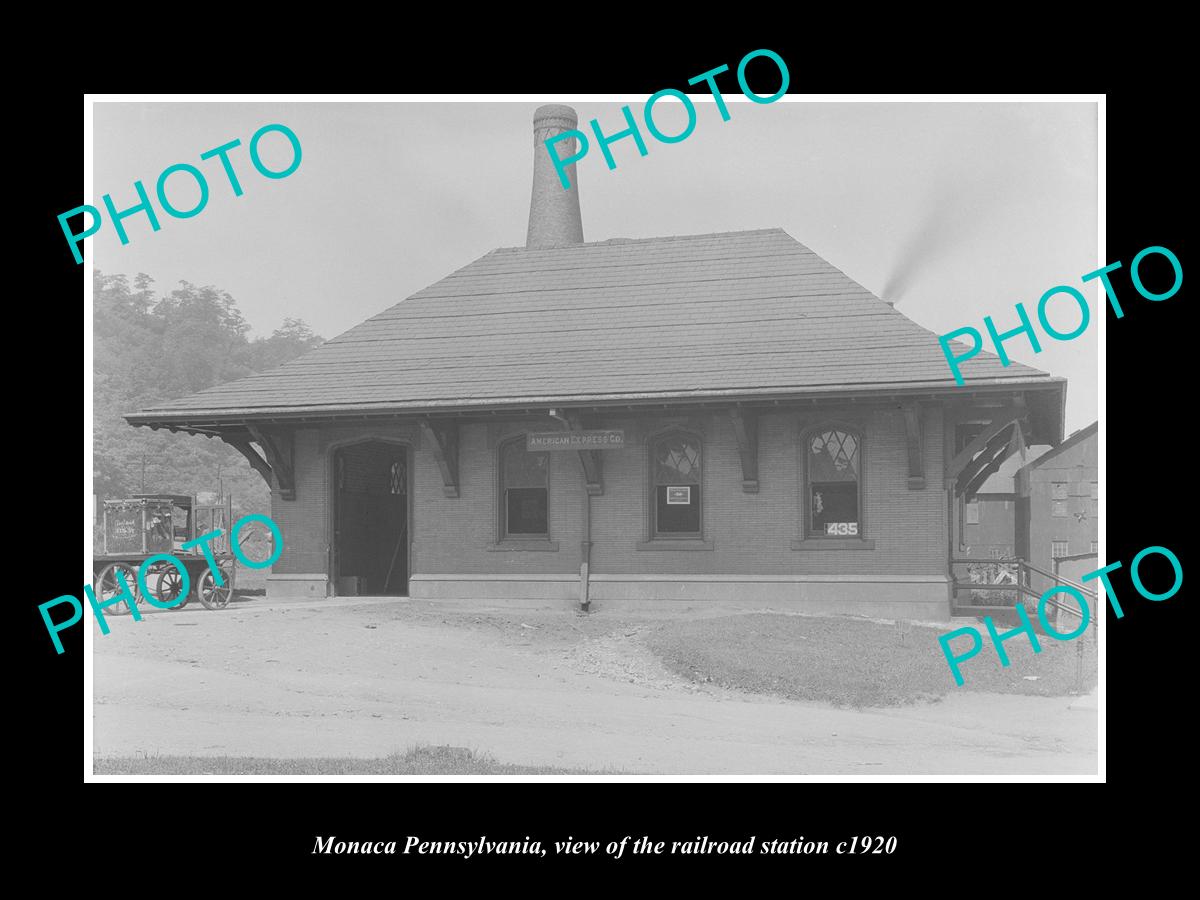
[[679, 495]]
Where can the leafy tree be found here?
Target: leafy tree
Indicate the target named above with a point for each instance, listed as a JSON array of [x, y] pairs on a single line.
[[288, 341], [149, 348]]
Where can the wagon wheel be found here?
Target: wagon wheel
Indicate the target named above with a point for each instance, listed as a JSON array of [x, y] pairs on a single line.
[[167, 584], [108, 587], [214, 597]]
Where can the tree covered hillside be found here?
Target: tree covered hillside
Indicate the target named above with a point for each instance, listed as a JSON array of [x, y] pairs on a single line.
[[151, 347]]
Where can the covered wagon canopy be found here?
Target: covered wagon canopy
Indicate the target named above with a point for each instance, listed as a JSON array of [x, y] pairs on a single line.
[[739, 319]]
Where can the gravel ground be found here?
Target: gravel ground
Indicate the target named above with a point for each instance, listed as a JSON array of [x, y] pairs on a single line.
[[368, 678]]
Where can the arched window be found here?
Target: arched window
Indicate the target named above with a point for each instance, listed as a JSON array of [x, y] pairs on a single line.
[[834, 472], [524, 491], [675, 505]]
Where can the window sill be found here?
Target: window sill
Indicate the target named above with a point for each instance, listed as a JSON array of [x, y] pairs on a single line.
[[513, 545], [833, 544], [669, 544]]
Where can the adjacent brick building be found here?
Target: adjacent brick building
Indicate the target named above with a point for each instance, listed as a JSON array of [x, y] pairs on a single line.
[[790, 440]]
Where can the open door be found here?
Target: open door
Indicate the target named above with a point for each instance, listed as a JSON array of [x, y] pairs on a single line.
[[371, 520]]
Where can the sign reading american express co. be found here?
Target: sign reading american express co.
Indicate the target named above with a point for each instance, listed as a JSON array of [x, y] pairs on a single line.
[[575, 440]]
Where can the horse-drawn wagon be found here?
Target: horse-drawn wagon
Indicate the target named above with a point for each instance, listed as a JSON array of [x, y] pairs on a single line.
[[145, 525]]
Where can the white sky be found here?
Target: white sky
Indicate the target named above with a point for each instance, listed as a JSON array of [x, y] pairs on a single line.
[[954, 210]]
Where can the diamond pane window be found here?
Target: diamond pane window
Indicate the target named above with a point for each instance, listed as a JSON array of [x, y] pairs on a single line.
[[833, 469], [834, 456], [676, 500], [677, 460]]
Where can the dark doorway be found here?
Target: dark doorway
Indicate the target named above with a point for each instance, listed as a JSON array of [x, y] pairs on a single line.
[[1021, 538], [371, 539]]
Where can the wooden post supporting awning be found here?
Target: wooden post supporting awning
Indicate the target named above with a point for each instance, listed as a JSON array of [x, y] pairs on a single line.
[[982, 457]]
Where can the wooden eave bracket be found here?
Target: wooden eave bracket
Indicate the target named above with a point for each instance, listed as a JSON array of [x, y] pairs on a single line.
[[443, 440], [916, 456], [590, 461], [993, 456], [279, 449], [745, 429], [260, 465], [1001, 420]]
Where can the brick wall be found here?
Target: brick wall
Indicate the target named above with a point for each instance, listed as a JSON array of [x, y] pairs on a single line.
[[751, 534], [302, 521]]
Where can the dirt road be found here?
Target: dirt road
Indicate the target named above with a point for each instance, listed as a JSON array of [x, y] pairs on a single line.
[[369, 677]]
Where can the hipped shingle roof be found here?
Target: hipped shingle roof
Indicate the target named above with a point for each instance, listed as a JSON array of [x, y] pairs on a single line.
[[745, 313]]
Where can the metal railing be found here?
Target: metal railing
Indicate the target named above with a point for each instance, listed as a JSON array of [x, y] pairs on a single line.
[[1012, 576], [1015, 576]]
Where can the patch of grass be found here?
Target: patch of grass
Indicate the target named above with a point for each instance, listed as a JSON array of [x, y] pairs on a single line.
[[420, 760], [857, 663]]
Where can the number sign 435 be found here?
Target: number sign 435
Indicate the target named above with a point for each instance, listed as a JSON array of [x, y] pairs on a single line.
[[841, 528]]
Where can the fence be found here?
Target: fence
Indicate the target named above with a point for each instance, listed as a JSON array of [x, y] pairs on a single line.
[[993, 587]]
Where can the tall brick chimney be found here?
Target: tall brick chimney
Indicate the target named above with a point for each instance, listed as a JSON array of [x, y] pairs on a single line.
[[554, 219]]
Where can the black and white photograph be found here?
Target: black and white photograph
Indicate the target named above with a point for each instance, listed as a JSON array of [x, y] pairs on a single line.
[[689, 436]]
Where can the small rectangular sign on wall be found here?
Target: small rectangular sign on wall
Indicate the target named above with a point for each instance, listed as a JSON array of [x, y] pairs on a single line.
[[679, 496], [849, 529]]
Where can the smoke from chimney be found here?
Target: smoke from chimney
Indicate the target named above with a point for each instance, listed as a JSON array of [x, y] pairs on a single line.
[[554, 218]]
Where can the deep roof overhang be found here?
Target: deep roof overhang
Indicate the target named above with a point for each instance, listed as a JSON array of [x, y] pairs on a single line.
[[1047, 397]]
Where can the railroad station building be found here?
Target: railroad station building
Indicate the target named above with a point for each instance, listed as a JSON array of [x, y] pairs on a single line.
[[737, 420]]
